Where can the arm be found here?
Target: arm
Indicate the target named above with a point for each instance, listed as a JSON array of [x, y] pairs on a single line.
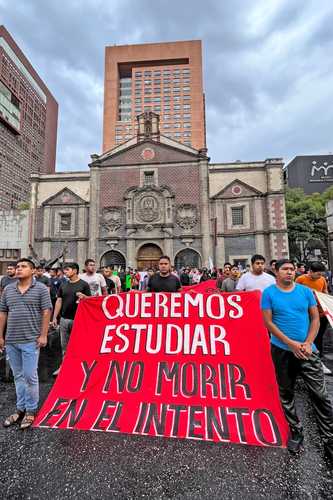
[[85, 292], [241, 285], [103, 285], [42, 339], [296, 347], [3, 321], [56, 312], [313, 329]]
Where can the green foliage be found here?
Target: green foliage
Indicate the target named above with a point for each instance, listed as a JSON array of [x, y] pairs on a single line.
[[25, 205], [306, 221]]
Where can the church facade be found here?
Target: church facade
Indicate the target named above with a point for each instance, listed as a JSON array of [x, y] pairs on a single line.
[[152, 196]]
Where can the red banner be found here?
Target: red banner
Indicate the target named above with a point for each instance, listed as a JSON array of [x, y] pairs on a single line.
[[187, 365]]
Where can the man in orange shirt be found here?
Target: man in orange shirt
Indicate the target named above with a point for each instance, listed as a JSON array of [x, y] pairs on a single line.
[[315, 280]]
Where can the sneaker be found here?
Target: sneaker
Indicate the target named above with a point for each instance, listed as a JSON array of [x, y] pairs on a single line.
[[15, 418], [326, 370], [54, 374], [295, 441]]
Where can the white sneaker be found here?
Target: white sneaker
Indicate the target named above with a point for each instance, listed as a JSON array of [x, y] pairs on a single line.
[[57, 371], [326, 370]]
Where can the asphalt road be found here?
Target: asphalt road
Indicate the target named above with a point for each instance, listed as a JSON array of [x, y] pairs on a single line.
[[57, 464]]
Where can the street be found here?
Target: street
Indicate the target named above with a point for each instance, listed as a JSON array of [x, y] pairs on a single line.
[[41, 463]]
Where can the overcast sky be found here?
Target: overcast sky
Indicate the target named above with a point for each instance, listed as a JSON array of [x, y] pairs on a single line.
[[268, 67]]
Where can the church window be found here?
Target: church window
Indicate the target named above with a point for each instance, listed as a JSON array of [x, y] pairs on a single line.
[[237, 216], [148, 178], [65, 222]]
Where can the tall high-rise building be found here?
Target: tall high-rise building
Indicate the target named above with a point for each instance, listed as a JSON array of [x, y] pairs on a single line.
[[28, 124], [162, 77]]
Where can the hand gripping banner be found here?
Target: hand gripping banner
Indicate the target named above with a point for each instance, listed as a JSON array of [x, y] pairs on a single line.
[[182, 365]]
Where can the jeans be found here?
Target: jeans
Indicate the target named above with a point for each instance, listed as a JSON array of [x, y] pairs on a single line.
[[65, 331], [23, 360], [287, 368]]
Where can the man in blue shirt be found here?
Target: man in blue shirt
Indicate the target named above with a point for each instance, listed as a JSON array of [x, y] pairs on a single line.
[[291, 316]]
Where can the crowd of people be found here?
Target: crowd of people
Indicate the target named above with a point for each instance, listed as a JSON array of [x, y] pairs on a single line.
[[34, 298]]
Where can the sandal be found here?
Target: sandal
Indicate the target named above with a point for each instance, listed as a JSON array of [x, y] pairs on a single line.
[[27, 421], [15, 418]]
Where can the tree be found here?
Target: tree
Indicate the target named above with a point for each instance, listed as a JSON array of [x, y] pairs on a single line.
[[306, 220]]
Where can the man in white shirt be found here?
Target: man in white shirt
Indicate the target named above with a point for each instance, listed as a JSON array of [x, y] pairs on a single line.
[[256, 278], [142, 283], [95, 280]]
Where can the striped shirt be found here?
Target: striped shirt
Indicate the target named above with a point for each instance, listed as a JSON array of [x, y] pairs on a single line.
[[24, 311]]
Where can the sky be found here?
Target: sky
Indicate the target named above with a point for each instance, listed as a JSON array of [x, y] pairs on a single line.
[[268, 68]]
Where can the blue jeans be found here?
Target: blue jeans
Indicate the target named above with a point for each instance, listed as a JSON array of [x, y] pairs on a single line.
[[23, 360]]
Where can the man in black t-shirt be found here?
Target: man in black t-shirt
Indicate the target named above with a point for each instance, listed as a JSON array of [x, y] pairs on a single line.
[[39, 275], [185, 277], [164, 281], [69, 295], [110, 284]]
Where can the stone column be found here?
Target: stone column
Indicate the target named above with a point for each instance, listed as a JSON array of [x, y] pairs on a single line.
[[131, 257], [94, 212], [32, 211], [220, 252], [205, 214], [81, 252], [168, 248]]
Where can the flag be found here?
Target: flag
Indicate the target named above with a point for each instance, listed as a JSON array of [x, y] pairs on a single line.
[[326, 302]]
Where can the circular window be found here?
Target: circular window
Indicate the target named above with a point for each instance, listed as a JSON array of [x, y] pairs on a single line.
[[236, 190], [148, 154]]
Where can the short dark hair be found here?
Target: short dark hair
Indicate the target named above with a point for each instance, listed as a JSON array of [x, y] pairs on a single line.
[[72, 265], [300, 264], [226, 264], [281, 262], [166, 257], [272, 262], [29, 261], [256, 257], [87, 261], [39, 267], [234, 266], [316, 267], [11, 264]]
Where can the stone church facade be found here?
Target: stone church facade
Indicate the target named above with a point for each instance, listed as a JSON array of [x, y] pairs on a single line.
[[152, 196]]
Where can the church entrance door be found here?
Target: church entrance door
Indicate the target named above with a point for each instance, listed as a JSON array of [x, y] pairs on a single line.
[[114, 259], [148, 256]]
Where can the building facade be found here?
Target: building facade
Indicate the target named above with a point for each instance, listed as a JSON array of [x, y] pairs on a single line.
[[162, 77], [28, 124], [152, 196], [314, 174], [14, 236], [329, 219]]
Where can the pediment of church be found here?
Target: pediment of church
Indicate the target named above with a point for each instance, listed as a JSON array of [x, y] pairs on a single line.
[[147, 152], [237, 189], [64, 197]]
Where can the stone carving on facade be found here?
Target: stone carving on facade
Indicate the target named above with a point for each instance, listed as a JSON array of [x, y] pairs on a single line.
[[112, 219], [148, 208], [112, 244], [187, 216], [148, 228]]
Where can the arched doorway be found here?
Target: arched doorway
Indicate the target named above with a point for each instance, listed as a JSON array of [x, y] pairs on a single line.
[[187, 258], [148, 256], [114, 259]]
